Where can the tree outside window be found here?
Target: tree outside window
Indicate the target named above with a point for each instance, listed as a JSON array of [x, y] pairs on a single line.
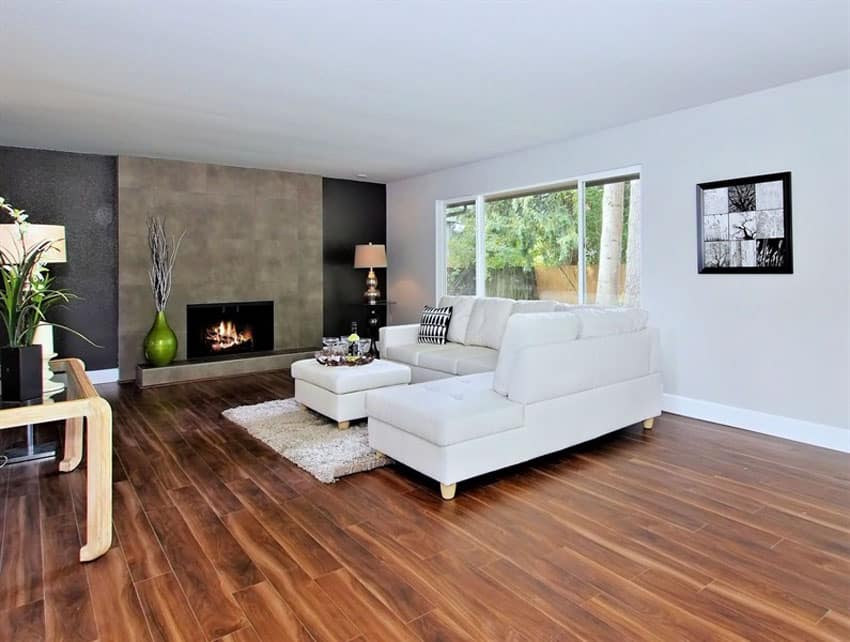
[[533, 247]]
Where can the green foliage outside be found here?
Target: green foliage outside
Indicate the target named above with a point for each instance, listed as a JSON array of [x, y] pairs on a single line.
[[521, 233]]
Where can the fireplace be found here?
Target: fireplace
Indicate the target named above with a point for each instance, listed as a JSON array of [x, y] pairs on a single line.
[[223, 329]]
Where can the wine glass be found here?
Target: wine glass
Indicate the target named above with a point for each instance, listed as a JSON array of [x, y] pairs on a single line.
[[327, 345], [340, 349], [363, 346]]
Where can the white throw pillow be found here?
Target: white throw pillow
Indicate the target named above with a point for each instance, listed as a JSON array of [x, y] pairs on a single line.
[[488, 320], [461, 311], [524, 330]]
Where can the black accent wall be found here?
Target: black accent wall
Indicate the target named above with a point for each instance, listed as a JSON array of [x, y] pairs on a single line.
[[79, 192], [354, 212]]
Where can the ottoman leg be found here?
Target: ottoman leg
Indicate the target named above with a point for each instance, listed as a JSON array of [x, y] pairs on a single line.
[[448, 491], [648, 423], [343, 425]]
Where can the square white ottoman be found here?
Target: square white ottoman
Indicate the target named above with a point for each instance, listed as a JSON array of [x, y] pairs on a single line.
[[339, 392]]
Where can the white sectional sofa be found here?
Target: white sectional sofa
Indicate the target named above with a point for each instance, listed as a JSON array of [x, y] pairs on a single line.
[[555, 379]]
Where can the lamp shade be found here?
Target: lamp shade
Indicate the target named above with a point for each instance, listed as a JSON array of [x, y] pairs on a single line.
[[370, 256], [10, 241]]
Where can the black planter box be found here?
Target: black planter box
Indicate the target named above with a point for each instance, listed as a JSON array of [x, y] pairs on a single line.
[[20, 373]]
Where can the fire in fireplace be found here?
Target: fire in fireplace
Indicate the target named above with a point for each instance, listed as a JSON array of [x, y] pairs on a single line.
[[220, 329], [225, 336]]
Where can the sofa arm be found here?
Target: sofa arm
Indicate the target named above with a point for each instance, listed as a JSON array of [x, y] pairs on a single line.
[[398, 335]]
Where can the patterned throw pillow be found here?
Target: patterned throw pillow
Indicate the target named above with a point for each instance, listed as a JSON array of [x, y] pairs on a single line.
[[434, 324]]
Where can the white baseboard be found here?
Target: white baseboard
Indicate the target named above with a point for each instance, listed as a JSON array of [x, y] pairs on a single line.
[[800, 430], [109, 375]]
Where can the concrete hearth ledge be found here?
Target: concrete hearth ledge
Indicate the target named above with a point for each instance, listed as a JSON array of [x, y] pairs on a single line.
[[182, 371]]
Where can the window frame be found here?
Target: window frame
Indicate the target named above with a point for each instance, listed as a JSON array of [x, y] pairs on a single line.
[[480, 199]]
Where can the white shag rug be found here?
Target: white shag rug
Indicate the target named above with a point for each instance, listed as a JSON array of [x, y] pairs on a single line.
[[309, 440]]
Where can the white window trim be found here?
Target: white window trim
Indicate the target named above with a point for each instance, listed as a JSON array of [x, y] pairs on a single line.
[[441, 283], [480, 248], [582, 255]]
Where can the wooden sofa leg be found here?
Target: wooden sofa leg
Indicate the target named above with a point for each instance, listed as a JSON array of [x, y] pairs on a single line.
[[343, 425], [648, 423], [448, 491]]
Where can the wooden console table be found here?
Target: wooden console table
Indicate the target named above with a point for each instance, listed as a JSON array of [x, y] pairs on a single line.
[[81, 402]]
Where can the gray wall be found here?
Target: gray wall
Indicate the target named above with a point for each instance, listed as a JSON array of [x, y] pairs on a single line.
[[746, 344], [251, 235], [77, 191]]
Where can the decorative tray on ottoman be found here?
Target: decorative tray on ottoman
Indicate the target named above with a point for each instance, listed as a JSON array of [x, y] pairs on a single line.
[[334, 360]]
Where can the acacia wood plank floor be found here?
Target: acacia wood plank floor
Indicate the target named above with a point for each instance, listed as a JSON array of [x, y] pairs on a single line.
[[691, 531]]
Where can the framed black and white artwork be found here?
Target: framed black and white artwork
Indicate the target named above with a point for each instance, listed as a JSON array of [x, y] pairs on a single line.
[[744, 225]]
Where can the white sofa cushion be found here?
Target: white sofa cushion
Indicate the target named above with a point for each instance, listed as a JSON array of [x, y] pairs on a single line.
[[342, 380], [448, 359], [602, 321], [526, 307], [484, 362], [448, 411], [526, 330], [543, 372], [461, 311], [398, 335], [410, 352], [488, 320]]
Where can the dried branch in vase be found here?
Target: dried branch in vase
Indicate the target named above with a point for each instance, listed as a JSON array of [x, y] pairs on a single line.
[[163, 255]]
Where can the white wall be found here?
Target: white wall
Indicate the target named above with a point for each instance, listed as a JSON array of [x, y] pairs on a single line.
[[745, 344]]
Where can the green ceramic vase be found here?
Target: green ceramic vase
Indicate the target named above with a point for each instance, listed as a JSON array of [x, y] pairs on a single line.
[[160, 342]]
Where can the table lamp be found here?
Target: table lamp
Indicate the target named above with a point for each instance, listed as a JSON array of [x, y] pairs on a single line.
[[10, 243], [370, 256]]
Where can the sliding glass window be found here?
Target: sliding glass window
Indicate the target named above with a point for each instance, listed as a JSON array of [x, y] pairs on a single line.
[[532, 245], [574, 242], [612, 241]]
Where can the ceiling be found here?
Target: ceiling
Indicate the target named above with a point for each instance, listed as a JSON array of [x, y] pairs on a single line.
[[386, 89]]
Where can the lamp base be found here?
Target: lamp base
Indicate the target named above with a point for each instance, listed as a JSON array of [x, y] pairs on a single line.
[[372, 293], [50, 385]]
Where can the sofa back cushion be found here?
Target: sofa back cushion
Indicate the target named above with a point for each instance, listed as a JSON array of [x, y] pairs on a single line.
[[527, 330], [602, 321], [488, 320], [544, 372], [526, 307], [461, 311]]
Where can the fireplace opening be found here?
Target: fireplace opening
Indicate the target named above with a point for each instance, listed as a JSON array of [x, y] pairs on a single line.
[[223, 329]]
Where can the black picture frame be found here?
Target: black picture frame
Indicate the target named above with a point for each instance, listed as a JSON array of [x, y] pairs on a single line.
[[754, 242]]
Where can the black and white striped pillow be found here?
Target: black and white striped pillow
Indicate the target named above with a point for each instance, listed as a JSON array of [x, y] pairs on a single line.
[[434, 324]]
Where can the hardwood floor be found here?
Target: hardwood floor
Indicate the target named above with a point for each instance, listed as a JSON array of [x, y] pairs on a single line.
[[690, 531]]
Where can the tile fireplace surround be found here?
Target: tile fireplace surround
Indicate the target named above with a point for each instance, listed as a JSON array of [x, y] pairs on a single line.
[[251, 235]]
